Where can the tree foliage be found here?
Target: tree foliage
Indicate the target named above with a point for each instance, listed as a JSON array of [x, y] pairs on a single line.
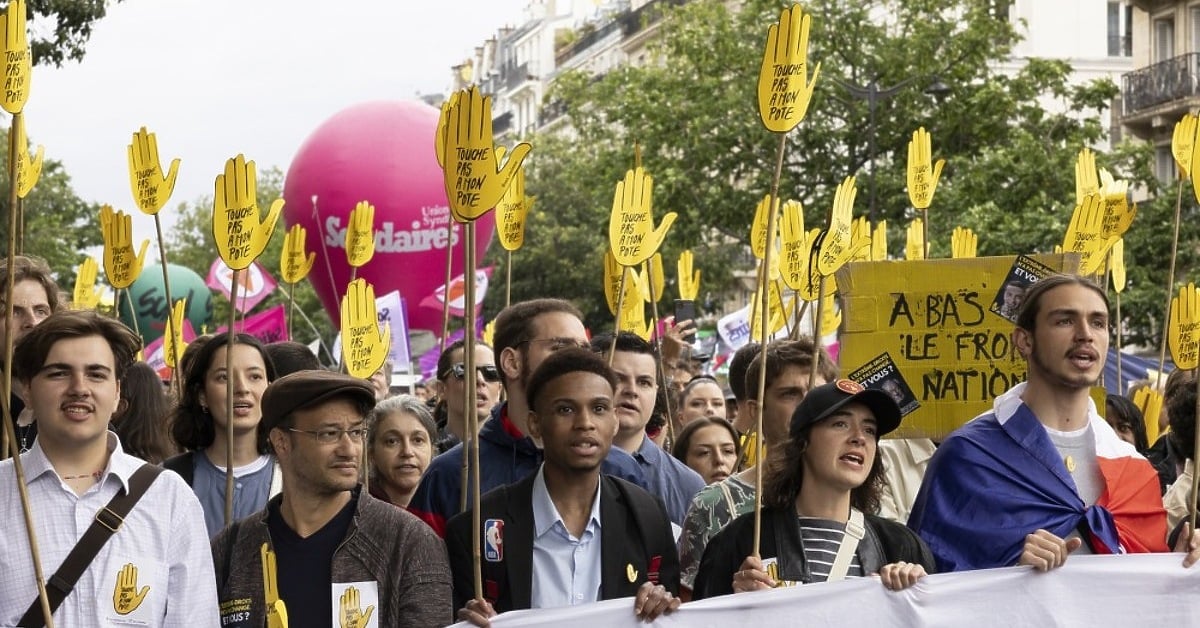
[[61, 28]]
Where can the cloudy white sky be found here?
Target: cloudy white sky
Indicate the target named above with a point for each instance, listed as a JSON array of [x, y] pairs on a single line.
[[213, 78]]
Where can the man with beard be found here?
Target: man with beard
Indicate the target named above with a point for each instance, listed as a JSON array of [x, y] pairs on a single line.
[[1043, 475], [526, 333], [330, 540]]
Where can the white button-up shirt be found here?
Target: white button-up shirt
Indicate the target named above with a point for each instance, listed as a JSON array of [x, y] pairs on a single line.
[[171, 581], [566, 570]]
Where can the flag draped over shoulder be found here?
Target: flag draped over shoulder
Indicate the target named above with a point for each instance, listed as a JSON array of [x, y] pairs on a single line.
[[999, 478]]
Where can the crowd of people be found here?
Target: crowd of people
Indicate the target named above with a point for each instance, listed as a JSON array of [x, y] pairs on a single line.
[[610, 467]]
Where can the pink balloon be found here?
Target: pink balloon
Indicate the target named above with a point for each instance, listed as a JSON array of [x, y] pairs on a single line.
[[380, 152]]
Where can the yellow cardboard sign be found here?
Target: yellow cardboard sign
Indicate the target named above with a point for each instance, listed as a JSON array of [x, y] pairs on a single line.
[[838, 245], [293, 265], [784, 89], [365, 346], [612, 280], [120, 263], [29, 169], [475, 180], [238, 229], [1087, 180], [151, 189], [439, 136], [963, 243], [879, 242], [360, 235], [923, 173], [1183, 142], [1086, 234], [758, 228], [929, 332], [860, 233], [831, 317], [914, 243], [633, 312], [796, 245], [1183, 328], [1116, 265], [511, 213], [654, 279], [173, 343], [18, 63], [1150, 402], [776, 313], [689, 281], [87, 293], [631, 232]]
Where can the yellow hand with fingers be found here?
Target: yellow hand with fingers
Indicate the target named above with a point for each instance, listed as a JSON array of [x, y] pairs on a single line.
[[293, 265], [963, 243], [810, 288], [831, 318], [657, 280], [758, 229], [775, 311], [1116, 256], [784, 89], [689, 281], [633, 313], [120, 264], [489, 332], [439, 136], [793, 266], [860, 240], [87, 293], [612, 280], [173, 343], [1183, 143], [631, 232], [350, 613], [276, 611], [511, 213], [879, 242], [17, 59], [1150, 402], [1087, 181], [475, 180], [151, 189], [914, 245], [240, 235], [1085, 234], [1118, 213], [1183, 328], [126, 596], [360, 234], [923, 174], [365, 347], [29, 170], [837, 248]]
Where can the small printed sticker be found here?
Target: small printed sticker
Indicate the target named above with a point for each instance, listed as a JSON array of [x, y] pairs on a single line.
[[493, 540], [849, 386]]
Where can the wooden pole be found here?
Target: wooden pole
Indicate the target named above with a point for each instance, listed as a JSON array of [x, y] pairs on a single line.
[[230, 336], [1162, 350], [470, 397]]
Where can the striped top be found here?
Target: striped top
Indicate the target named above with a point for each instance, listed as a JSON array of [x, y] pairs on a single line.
[[821, 539]]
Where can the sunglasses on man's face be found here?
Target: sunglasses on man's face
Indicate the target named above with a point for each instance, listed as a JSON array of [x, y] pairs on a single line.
[[488, 371]]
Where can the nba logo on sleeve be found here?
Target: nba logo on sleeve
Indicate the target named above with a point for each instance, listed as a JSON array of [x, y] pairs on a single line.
[[493, 540]]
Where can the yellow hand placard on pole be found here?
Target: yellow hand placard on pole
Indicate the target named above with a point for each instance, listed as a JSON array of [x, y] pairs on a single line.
[[511, 213], [1087, 180], [120, 263], [365, 346], [294, 265], [689, 280], [796, 246], [87, 293], [18, 64], [923, 172], [475, 179], [360, 235], [1117, 265], [29, 169], [173, 343], [1085, 234], [240, 232], [1183, 142], [861, 240], [837, 247], [784, 89], [963, 243], [631, 232], [151, 188], [758, 229], [879, 242], [1183, 328], [914, 246]]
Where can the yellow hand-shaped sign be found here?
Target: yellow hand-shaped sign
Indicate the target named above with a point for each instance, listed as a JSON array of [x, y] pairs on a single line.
[[17, 60], [360, 234], [758, 228], [29, 170], [364, 346], [1085, 234], [1150, 402], [655, 279], [796, 247], [879, 242], [914, 246], [173, 343], [963, 243], [1118, 213], [276, 610], [1087, 180], [1183, 142], [923, 174], [689, 281], [775, 311], [860, 239], [126, 596], [633, 311], [1116, 256], [631, 232], [475, 181], [837, 248], [810, 287], [237, 229], [784, 89], [87, 293], [293, 265], [1183, 328], [489, 332], [120, 263], [439, 136], [350, 612], [612, 280], [150, 188], [511, 213], [831, 318]]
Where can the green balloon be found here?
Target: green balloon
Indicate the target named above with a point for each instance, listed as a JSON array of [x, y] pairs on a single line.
[[147, 300]]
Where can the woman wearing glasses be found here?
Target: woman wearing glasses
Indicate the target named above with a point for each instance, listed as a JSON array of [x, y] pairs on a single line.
[[400, 448], [199, 426], [451, 391]]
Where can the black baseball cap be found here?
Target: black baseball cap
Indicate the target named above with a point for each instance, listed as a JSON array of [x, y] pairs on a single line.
[[824, 400]]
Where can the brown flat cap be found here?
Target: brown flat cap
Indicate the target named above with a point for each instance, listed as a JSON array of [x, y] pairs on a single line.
[[303, 389]]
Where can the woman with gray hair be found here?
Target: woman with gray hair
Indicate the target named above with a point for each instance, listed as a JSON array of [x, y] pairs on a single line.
[[401, 446]]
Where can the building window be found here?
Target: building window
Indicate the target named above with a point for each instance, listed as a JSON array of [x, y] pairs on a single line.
[[1164, 39], [1194, 22], [1120, 29]]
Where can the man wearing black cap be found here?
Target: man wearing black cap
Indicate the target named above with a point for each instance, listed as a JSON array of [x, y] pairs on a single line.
[[820, 490], [324, 548]]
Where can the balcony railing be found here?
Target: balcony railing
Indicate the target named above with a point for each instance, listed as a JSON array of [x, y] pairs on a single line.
[[1174, 79]]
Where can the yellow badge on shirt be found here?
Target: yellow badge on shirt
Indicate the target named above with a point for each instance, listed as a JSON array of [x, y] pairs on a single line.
[[355, 603]]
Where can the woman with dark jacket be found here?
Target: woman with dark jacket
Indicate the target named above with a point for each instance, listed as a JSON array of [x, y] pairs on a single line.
[[819, 491]]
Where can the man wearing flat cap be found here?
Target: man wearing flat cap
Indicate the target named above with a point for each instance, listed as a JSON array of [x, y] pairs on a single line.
[[324, 548]]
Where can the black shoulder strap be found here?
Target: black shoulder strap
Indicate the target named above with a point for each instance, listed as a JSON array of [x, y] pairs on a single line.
[[108, 520]]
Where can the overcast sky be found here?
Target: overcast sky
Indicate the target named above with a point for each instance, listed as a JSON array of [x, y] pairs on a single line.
[[213, 78]]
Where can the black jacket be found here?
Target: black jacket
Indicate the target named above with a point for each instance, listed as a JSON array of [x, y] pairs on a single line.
[[885, 542], [634, 531]]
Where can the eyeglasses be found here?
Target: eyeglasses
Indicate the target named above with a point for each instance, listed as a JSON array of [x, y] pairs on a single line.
[[329, 435], [558, 344], [489, 372]]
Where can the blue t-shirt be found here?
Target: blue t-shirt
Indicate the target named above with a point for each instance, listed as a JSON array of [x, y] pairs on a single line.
[[251, 489]]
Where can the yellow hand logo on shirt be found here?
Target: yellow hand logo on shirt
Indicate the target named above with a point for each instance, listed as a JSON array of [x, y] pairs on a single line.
[[784, 89], [17, 60], [360, 235], [241, 234], [923, 174], [151, 189], [1183, 328], [87, 293], [126, 596], [631, 231], [365, 347], [350, 613], [120, 264], [689, 280]]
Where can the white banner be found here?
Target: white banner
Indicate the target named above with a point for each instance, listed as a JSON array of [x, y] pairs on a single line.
[[1092, 591]]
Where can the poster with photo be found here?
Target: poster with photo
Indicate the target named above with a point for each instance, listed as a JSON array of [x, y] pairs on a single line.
[[881, 373], [1024, 273]]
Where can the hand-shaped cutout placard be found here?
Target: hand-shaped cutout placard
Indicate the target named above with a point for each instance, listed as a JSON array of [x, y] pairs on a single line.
[[689, 280], [612, 280], [17, 60], [793, 267], [1085, 234], [784, 89], [914, 243], [758, 228], [1183, 328], [631, 232], [963, 243], [29, 169], [360, 235], [364, 346], [1116, 257], [1087, 180], [860, 239], [151, 189], [1183, 142], [837, 247], [1118, 213], [655, 279], [87, 293], [879, 242], [831, 317], [777, 313], [633, 308], [475, 179], [293, 265], [237, 229], [439, 136], [120, 263], [923, 173], [276, 611], [810, 287], [511, 212], [173, 343], [1150, 402]]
